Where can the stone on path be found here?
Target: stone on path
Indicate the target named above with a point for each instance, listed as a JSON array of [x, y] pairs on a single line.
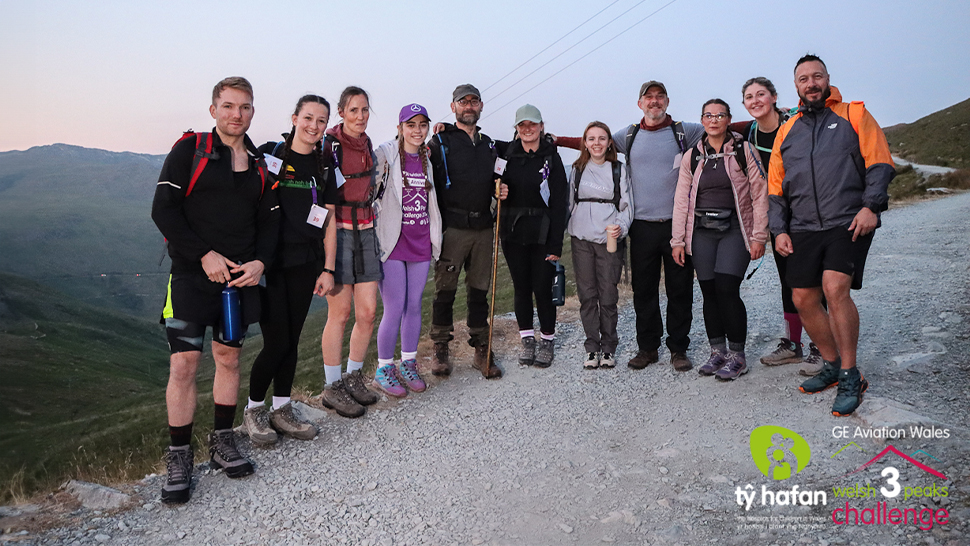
[[96, 497]]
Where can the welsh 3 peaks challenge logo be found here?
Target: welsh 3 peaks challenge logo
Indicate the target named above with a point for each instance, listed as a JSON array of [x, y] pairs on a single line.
[[778, 452]]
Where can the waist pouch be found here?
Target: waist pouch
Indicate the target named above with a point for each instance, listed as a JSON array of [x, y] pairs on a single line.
[[464, 219], [713, 219], [526, 226]]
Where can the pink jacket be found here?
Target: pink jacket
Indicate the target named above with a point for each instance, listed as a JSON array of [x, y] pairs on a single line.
[[750, 196]]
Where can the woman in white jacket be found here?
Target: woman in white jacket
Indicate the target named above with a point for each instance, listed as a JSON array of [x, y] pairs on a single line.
[[409, 232], [600, 206]]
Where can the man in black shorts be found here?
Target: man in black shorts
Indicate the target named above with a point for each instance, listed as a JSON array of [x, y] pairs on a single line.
[[221, 222], [828, 177]]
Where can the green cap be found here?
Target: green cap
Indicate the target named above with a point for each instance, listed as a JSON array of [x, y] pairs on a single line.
[[527, 113]]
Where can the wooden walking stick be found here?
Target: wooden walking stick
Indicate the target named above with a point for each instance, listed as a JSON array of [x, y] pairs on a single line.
[[491, 307]]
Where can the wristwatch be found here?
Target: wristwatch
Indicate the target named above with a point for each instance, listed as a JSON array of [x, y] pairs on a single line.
[[331, 271]]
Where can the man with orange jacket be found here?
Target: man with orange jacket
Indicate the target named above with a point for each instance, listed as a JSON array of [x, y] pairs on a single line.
[[828, 178]]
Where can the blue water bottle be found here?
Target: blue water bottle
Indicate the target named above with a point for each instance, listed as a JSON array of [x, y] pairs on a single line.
[[559, 285], [231, 314]]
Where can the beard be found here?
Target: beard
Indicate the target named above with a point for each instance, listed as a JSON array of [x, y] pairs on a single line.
[[468, 117], [818, 104]]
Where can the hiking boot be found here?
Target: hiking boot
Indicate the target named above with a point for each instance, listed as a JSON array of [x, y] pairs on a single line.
[[787, 352], [386, 379], [826, 378], [607, 361], [545, 351], [735, 365], [336, 397], [178, 486], [223, 454], [286, 422], [592, 361], [680, 361], [440, 363], [715, 362], [851, 387], [355, 386], [527, 354], [484, 358], [408, 371], [813, 362], [256, 424], [643, 359]]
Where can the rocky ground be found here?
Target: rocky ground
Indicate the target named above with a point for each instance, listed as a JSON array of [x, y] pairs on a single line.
[[571, 456]]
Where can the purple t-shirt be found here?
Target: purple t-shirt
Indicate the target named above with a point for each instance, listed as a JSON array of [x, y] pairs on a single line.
[[414, 244]]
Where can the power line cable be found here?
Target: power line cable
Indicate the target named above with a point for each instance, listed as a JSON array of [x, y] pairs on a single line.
[[561, 38], [554, 74]]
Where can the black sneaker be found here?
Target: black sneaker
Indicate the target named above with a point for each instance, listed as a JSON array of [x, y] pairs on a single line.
[[527, 354], [225, 455], [851, 387], [826, 379], [178, 487]]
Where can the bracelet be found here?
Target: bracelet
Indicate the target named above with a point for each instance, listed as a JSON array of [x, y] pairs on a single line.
[[331, 271]]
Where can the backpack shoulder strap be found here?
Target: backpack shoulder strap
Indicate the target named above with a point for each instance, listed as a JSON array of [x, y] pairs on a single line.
[[444, 159], [695, 159], [617, 168], [859, 110], [576, 179], [203, 153], [680, 135], [740, 156], [631, 133]]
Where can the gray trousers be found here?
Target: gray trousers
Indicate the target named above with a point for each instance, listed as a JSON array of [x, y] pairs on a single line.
[[597, 274]]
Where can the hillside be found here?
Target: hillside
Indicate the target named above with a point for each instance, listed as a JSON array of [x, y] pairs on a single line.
[[77, 219], [941, 138]]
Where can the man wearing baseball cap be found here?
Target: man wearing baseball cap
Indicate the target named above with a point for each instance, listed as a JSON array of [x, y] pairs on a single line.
[[653, 149], [463, 163]]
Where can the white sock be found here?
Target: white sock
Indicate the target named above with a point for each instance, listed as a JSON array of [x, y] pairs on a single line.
[[280, 401], [527, 333], [381, 362], [254, 404], [332, 373], [547, 337], [409, 356], [353, 365]]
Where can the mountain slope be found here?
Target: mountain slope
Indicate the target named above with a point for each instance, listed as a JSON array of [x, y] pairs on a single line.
[[941, 138]]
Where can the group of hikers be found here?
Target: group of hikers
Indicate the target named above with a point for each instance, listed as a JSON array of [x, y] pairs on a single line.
[[256, 232]]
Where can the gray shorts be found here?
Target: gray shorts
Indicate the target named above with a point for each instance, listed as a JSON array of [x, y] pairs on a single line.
[[719, 252], [368, 258]]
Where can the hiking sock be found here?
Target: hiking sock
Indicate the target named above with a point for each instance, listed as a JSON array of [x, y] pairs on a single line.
[[409, 356], [719, 344], [254, 404], [280, 401], [224, 416], [527, 333], [794, 323], [736, 347], [381, 362], [331, 373], [547, 337], [181, 436], [353, 365]]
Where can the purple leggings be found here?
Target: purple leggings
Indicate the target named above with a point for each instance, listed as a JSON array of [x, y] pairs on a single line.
[[401, 292]]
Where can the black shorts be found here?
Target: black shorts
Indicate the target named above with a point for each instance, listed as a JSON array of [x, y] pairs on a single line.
[[829, 250], [194, 302]]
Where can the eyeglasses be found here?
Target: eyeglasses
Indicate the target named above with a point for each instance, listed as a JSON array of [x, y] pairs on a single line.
[[710, 117], [469, 102]]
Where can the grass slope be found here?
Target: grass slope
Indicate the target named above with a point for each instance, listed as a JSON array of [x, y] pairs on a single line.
[[941, 138]]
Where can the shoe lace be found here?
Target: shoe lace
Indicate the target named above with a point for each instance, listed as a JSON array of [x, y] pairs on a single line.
[[339, 389], [354, 381], [178, 463], [287, 415], [735, 363], [388, 377], [225, 445], [409, 369], [261, 417]]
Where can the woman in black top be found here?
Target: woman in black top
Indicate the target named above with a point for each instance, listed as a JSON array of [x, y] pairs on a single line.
[[304, 263], [533, 221]]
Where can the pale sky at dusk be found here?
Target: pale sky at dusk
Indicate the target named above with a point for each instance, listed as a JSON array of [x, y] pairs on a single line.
[[124, 75]]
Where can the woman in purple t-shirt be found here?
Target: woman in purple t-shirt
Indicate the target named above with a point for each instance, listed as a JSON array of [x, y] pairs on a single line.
[[409, 232]]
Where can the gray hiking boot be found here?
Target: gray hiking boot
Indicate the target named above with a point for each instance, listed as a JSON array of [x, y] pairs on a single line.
[[178, 486], [813, 362], [527, 354], [354, 383], [336, 397], [545, 351], [225, 455], [256, 424], [286, 422], [787, 352]]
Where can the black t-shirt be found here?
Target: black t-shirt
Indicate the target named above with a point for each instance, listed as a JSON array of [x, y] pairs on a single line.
[[301, 242], [761, 141], [714, 187]]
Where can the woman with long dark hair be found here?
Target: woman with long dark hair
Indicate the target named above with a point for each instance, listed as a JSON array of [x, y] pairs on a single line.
[[305, 187], [601, 211], [721, 220]]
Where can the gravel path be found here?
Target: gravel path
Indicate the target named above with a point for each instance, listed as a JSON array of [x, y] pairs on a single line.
[[567, 456]]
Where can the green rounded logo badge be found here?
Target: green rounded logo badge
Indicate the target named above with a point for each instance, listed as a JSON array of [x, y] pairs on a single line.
[[778, 452]]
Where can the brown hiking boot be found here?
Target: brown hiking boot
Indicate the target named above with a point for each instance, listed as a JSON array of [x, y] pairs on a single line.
[[485, 363], [643, 359], [354, 383], [680, 361], [336, 397], [440, 363]]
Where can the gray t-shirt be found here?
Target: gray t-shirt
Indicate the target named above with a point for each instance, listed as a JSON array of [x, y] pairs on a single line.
[[654, 167], [588, 220]]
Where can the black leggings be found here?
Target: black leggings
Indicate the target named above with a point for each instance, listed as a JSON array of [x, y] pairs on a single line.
[[724, 312], [286, 301], [531, 275]]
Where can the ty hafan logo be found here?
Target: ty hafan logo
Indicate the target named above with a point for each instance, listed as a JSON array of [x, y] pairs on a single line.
[[779, 453]]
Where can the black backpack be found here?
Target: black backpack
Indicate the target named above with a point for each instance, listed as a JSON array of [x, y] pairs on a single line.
[[616, 188], [677, 128]]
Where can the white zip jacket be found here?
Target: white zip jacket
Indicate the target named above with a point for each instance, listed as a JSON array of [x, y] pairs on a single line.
[[389, 208]]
